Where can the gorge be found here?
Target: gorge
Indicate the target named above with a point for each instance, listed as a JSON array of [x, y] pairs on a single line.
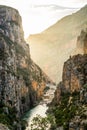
[[42, 107], [23, 84], [69, 104]]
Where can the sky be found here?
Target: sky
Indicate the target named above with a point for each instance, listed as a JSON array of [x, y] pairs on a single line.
[[37, 15]]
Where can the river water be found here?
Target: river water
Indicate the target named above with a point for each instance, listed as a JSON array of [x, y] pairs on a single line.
[[42, 107]]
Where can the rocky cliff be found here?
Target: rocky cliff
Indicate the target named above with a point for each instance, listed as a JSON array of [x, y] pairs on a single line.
[[74, 75], [81, 47], [70, 101], [22, 82], [69, 105]]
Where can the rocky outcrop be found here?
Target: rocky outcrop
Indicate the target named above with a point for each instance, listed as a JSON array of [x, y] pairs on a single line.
[[82, 42], [74, 75], [22, 82]]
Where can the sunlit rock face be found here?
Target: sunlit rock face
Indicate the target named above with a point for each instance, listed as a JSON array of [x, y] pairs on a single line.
[[75, 73], [74, 76], [82, 42], [22, 82]]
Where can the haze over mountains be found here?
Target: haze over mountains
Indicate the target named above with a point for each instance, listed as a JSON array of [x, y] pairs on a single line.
[[52, 47]]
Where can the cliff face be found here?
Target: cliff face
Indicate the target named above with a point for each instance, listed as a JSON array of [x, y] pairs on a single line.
[[82, 42], [22, 82], [69, 105], [75, 68], [74, 75]]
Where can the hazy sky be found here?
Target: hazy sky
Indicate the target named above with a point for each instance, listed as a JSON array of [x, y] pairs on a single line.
[[40, 14]]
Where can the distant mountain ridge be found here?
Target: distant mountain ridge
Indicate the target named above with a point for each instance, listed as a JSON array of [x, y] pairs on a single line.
[[54, 6], [53, 46]]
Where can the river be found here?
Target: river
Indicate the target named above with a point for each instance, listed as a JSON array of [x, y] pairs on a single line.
[[42, 107]]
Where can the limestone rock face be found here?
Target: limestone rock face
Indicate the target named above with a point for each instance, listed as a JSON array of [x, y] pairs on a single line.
[[75, 73], [11, 24], [22, 82], [74, 76]]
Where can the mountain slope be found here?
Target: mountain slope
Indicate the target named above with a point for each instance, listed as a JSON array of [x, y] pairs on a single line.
[[52, 47]]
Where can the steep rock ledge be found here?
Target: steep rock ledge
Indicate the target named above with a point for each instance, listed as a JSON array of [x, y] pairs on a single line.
[[22, 82], [74, 76], [75, 73]]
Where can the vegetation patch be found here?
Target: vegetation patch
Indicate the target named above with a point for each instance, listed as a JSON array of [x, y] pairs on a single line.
[[69, 108], [8, 117]]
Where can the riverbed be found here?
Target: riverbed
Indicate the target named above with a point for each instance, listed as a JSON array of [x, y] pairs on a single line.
[[42, 107]]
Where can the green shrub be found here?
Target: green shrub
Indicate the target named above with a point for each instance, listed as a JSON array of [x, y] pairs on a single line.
[[65, 111], [8, 118]]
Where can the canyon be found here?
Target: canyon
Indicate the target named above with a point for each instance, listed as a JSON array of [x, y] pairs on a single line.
[[23, 84], [70, 98]]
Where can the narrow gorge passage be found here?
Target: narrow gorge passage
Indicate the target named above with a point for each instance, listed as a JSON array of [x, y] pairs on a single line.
[[42, 107]]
